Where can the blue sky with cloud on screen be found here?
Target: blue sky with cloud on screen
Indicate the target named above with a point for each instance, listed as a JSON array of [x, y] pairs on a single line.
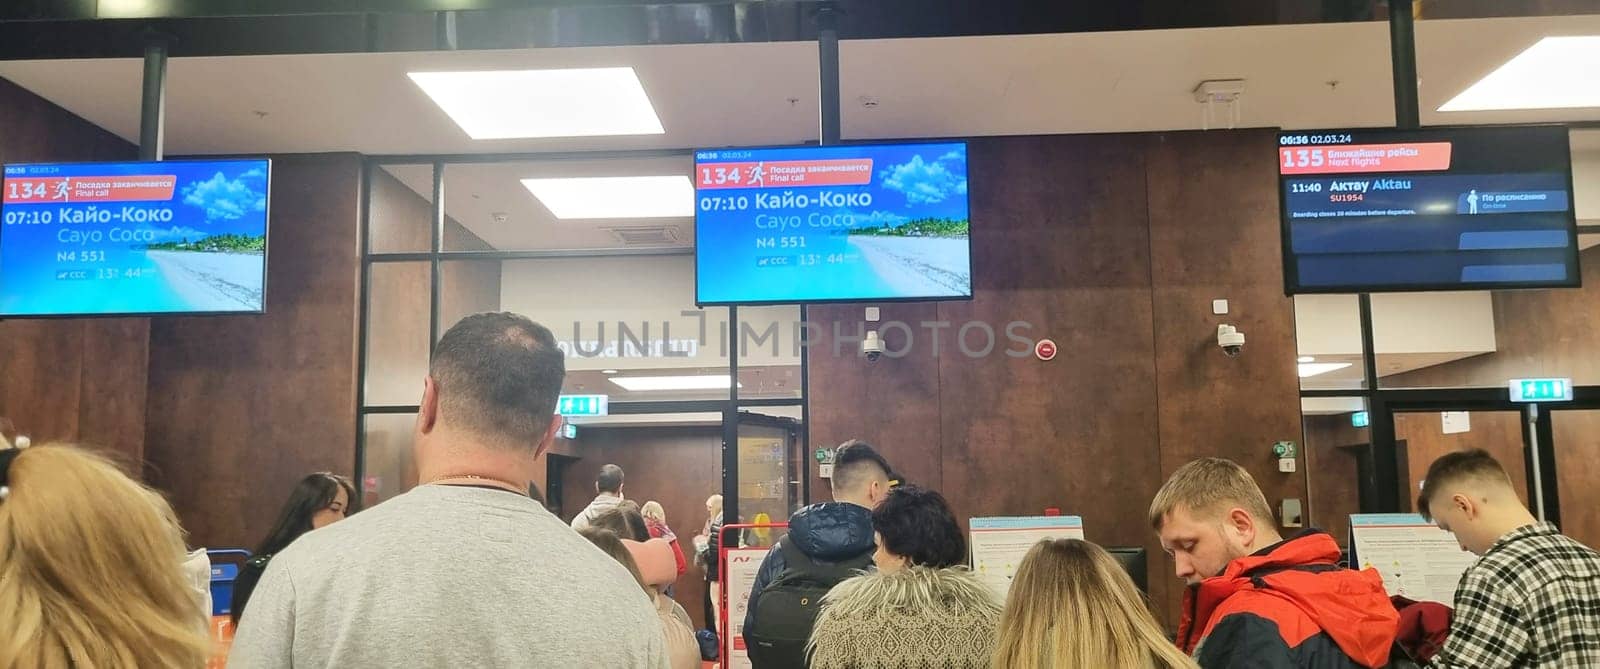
[[929, 186], [234, 205]]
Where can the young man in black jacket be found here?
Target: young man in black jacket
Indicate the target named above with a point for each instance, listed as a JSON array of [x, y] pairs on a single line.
[[831, 534]]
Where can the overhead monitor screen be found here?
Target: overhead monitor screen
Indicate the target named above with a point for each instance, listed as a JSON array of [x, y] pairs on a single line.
[[828, 224], [95, 239], [1432, 209]]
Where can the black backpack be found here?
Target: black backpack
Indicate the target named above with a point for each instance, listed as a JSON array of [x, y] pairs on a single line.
[[787, 608]]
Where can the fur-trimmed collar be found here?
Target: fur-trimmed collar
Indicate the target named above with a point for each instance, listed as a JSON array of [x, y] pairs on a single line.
[[954, 590]]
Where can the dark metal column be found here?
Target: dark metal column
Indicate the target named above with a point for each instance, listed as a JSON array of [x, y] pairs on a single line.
[[435, 328], [828, 66], [730, 428], [153, 104], [1403, 58]]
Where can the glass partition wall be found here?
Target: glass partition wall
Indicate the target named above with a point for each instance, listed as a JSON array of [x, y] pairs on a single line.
[[450, 237]]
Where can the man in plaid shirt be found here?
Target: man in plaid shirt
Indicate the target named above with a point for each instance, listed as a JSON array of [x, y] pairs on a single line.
[[1533, 597]]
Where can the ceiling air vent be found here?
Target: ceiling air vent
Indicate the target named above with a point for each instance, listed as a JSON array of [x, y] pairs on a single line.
[[646, 235]]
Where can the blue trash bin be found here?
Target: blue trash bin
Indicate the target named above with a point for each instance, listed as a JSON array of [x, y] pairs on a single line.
[[223, 574]]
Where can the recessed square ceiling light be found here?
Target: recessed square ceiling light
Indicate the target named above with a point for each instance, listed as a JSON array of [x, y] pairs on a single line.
[[1308, 369], [1555, 73], [615, 197], [512, 104], [649, 383]]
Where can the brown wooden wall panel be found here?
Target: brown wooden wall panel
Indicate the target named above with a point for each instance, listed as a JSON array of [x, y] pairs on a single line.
[[1576, 436], [74, 379], [676, 466], [1059, 242], [1214, 233], [894, 404], [1115, 245], [241, 407], [41, 368], [111, 399]]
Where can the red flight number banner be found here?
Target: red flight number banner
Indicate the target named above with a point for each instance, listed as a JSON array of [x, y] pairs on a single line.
[[786, 174], [142, 188], [1360, 158]]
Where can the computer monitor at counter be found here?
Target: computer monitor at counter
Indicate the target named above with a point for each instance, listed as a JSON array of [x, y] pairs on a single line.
[[1134, 561]]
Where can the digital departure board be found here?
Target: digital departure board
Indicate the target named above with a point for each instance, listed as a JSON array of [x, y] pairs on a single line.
[[1432, 209], [96, 239], [836, 223]]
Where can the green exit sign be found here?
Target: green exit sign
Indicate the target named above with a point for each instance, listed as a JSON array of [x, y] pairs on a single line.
[[581, 405], [1541, 390]]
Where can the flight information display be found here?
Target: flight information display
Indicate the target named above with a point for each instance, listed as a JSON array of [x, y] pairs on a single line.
[[838, 223], [1433, 209], [92, 239]]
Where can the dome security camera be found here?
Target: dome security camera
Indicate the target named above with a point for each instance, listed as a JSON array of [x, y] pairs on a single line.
[[1230, 339]]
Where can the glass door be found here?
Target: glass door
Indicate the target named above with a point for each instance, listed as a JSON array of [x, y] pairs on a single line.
[[769, 472], [1422, 436]]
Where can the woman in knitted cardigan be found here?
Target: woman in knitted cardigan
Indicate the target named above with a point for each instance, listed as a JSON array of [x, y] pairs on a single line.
[[921, 608]]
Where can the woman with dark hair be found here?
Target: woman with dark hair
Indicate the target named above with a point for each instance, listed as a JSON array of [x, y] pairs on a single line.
[[319, 499], [922, 607]]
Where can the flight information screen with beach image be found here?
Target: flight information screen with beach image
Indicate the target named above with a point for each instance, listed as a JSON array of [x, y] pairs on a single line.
[[837, 223], [133, 238], [1433, 209]]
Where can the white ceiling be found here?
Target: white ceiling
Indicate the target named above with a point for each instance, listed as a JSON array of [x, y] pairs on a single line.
[[711, 95], [740, 94]]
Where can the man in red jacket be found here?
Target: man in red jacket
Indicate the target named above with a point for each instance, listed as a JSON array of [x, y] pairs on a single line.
[[1256, 599]]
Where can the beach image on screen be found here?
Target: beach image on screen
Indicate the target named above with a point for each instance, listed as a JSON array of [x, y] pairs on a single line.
[[133, 238], [833, 223]]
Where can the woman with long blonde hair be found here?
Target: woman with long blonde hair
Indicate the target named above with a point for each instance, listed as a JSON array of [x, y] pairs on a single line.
[[91, 568], [1072, 605]]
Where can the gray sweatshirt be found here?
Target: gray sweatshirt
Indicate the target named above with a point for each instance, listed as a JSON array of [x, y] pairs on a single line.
[[448, 576]]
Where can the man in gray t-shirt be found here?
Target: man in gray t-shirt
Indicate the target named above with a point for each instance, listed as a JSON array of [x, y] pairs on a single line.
[[464, 570]]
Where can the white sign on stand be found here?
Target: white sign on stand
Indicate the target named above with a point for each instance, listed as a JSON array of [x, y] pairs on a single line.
[[1418, 560], [742, 566], [999, 544]]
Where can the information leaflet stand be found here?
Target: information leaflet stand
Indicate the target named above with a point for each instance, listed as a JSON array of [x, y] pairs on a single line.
[[999, 543], [739, 567], [1418, 560]]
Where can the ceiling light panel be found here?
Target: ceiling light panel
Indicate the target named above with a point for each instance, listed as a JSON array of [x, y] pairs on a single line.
[[518, 104], [656, 383], [1310, 369], [1554, 73], [615, 197]]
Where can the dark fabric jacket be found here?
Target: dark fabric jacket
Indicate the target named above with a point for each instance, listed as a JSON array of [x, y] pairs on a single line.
[[828, 533], [1290, 606], [711, 557], [245, 583]]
